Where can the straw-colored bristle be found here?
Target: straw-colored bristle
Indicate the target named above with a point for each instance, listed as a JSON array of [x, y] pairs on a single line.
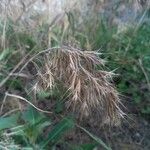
[[90, 89]]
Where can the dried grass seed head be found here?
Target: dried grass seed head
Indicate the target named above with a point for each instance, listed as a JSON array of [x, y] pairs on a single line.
[[89, 89]]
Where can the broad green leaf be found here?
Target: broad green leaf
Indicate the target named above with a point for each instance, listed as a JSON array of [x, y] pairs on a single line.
[[36, 122], [8, 122], [98, 140], [63, 126], [32, 116], [35, 130]]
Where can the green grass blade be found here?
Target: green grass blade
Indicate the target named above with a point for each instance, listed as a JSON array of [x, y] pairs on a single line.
[[8, 122], [58, 131], [98, 140]]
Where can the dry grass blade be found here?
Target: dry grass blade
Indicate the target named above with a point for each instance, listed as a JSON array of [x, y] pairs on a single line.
[[23, 99], [90, 89]]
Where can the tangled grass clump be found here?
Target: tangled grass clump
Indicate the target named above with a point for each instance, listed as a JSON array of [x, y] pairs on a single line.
[[90, 89]]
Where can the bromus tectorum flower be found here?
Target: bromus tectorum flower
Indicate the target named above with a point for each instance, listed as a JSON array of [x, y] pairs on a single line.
[[90, 89]]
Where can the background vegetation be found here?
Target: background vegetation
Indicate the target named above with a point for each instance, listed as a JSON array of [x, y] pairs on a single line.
[[33, 118]]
